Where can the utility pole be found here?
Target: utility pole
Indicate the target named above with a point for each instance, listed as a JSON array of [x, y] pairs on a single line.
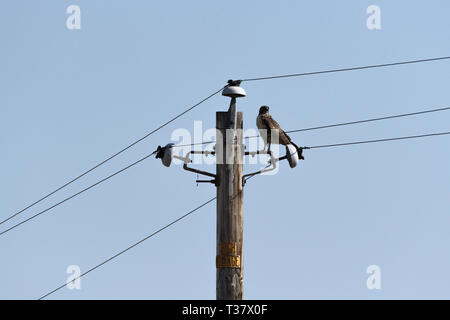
[[229, 180], [230, 218]]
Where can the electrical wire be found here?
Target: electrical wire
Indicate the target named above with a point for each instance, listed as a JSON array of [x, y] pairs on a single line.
[[111, 157], [76, 194], [346, 69], [212, 199], [214, 93], [377, 140], [204, 204], [369, 120], [337, 124], [210, 96], [130, 247], [194, 106], [355, 142], [193, 144]]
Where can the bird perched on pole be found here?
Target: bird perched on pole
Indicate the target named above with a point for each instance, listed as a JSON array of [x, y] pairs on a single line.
[[267, 126]]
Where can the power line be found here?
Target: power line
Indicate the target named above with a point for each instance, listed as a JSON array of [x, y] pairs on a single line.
[[212, 199], [377, 140], [346, 69], [76, 194], [130, 247], [369, 120], [210, 96], [113, 156], [338, 124], [205, 99], [195, 144], [350, 143], [140, 160]]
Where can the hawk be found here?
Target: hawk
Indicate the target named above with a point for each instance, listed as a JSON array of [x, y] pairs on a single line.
[[266, 124]]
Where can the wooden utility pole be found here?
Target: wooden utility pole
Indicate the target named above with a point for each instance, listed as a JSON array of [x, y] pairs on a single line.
[[229, 156]]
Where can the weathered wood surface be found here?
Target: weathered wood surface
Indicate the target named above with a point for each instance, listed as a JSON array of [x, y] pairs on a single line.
[[229, 279]]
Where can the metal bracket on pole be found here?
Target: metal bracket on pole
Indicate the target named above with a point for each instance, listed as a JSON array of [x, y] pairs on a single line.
[[187, 160], [273, 162]]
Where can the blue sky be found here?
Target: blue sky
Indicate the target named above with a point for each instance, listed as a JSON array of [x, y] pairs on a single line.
[[70, 98]]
